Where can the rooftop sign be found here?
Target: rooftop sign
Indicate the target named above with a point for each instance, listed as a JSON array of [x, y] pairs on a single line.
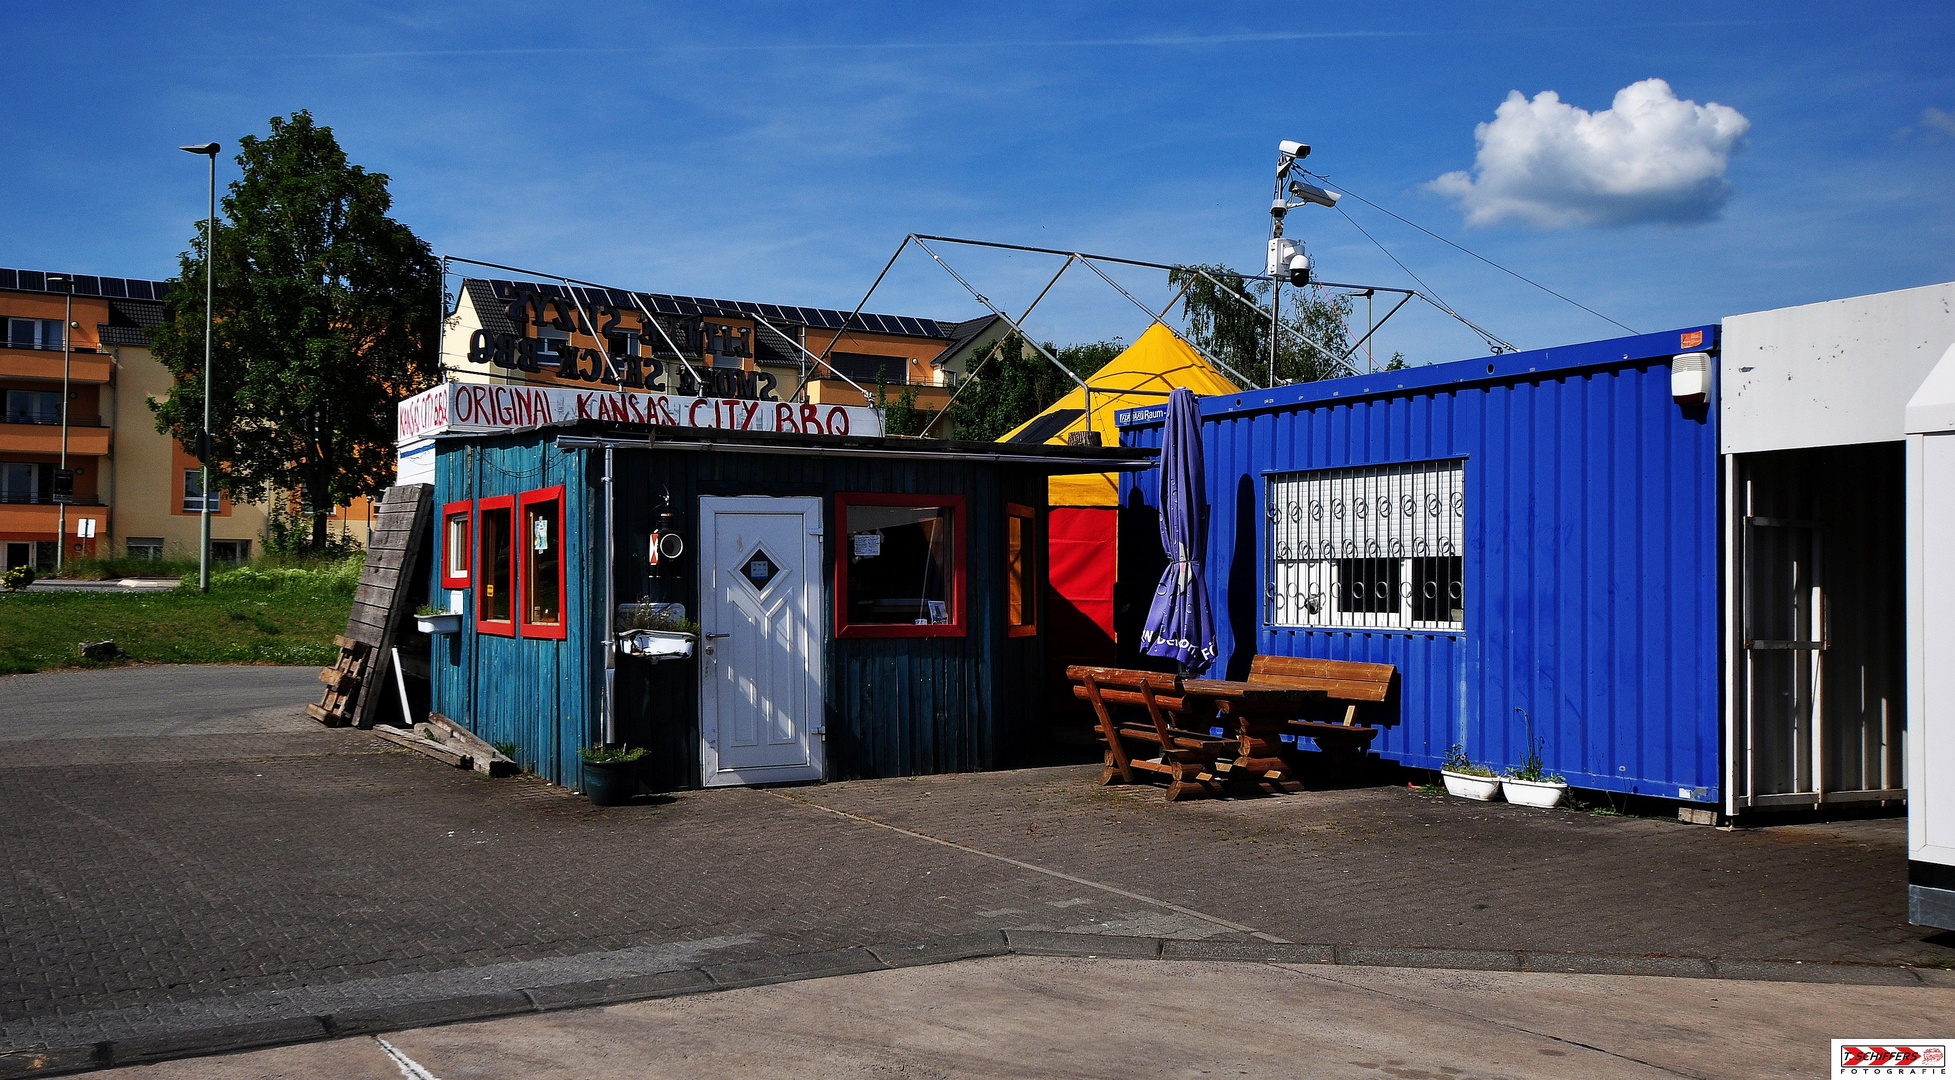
[[481, 408]]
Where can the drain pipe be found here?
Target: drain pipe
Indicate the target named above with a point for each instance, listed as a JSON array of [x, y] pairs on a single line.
[[610, 606]]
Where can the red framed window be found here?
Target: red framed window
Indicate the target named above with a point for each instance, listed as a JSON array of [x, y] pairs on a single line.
[[495, 561], [457, 544], [899, 566], [540, 549], [1022, 550]]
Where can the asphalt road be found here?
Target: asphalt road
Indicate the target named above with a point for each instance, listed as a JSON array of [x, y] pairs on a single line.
[[156, 701]]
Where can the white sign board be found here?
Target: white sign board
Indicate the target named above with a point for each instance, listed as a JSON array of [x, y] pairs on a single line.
[[457, 408]]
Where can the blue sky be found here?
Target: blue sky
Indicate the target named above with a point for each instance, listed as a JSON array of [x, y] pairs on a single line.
[[780, 153]]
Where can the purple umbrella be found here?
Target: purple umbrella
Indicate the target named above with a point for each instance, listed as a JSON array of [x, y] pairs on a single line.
[[1179, 624]]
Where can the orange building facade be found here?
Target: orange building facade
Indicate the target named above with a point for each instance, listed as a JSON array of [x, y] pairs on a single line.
[[83, 470]]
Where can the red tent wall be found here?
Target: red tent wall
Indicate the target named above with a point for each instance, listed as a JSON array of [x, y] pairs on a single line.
[[1082, 552]]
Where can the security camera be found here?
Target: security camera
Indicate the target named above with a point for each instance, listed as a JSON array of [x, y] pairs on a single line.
[[1311, 193], [1296, 150], [1278, 208], [1299, 269]]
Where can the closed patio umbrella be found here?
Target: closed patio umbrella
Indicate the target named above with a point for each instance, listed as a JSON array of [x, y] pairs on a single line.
[[1179, 624]]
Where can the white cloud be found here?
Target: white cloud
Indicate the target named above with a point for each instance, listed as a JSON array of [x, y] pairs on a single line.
[[1551, 165], [1938, 120]]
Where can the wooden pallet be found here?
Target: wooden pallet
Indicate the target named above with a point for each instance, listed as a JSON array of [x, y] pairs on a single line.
[[343, 679]]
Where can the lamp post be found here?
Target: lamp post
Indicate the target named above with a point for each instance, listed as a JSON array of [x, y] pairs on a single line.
[[210, 294], [67, 285]]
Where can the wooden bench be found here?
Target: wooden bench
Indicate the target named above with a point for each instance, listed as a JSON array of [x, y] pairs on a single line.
[[1179, 741], [1348, 681]]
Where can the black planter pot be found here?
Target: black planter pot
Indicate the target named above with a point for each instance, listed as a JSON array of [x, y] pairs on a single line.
[[610, 783]]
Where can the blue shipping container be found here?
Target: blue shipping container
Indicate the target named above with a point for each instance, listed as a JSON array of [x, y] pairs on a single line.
[[1589, 554]]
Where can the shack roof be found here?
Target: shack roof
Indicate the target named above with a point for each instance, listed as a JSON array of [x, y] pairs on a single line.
[[1051, 459]]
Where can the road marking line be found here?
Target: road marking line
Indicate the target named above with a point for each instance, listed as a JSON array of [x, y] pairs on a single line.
[[1037, 869], [409, 1068]]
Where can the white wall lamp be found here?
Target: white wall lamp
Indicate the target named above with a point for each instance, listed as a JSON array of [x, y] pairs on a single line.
[[1690, 378]]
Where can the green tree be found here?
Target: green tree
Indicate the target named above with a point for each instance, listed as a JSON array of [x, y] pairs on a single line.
[[1013, 383], [325, 317], [901, 416]]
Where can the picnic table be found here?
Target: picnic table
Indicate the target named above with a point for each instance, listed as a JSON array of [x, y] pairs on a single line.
[[1254, 714], [1180, 716]]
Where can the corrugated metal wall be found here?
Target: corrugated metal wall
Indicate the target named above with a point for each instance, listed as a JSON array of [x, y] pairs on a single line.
[[539, 694], [1590, 559]]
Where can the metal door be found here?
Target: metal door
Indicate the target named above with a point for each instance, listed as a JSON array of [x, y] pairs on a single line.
[[760, 623], [1784, 635]]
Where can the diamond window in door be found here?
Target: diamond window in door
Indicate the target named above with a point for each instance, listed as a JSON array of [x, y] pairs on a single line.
[[758, 569]]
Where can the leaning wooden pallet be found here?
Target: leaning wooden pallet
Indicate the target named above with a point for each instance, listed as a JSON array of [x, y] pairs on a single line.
[[343, 679]]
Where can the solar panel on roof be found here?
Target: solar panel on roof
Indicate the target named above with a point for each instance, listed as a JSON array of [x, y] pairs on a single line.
[[111, 286], [33, 281], [139, 290], [87, 285]]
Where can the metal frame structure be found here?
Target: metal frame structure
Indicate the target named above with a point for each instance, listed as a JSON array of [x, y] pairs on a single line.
[[1090, 261]]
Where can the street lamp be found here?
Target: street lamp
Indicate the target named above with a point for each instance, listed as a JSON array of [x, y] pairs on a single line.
[[209, 150], [67, 285]]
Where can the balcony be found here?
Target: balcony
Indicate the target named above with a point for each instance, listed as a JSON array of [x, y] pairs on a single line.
[[42, 516], [87, 436], [34, 362], [837, 392]]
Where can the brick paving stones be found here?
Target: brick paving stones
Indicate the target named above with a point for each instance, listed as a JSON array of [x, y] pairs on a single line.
[[251, 868]]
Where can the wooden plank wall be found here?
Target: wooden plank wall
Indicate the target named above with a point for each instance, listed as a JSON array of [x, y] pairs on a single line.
[[381, 605], [536, 693], [895, 706]]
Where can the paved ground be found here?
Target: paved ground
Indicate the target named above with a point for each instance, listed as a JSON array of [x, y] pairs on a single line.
[[184, 852], [105, 585], [1047, 1017]]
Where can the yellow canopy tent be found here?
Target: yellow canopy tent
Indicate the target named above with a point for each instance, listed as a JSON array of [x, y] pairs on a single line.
[[1157, 363]]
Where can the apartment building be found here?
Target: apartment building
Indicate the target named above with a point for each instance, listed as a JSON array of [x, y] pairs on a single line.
[[542, 333], [83, 470]]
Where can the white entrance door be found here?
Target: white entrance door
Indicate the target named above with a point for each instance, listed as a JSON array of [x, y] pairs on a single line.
[[760, 607]]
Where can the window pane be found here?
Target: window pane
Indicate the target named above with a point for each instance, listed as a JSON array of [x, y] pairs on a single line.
[[20, 333], [457, 545], [1018, 568], [51, 335], [494, 603], [542, 533], [1377, 547], [900, 565]]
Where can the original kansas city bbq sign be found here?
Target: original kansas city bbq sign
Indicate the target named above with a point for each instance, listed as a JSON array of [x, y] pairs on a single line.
[[456, 408]]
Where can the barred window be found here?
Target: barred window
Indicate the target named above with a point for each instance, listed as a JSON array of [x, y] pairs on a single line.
[[1374, 548]]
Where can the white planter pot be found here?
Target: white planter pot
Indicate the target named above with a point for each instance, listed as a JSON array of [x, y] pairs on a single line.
[[445, 623], [655, 644], [1533, 792], [1468, 786]]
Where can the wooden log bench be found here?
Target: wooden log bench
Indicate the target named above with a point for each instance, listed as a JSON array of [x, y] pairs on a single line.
[[1347, 681], [1167, 739]]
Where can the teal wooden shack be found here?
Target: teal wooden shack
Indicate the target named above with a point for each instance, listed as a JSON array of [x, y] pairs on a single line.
[[866, 606]]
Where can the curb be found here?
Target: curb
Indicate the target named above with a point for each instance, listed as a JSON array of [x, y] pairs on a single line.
[[58, 1060]]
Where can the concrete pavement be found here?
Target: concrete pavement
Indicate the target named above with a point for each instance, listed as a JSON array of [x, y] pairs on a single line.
[[1055, 1017]]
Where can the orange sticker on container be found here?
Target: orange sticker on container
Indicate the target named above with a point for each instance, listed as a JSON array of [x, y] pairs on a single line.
[[1693, 339]]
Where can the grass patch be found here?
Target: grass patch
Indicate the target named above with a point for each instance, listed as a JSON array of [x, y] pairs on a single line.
[[257, 614]]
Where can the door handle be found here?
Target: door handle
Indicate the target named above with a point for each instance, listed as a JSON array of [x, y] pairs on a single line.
[[710, 637]]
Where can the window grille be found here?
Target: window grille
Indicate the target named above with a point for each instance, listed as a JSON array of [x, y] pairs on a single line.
[[1375, 548]]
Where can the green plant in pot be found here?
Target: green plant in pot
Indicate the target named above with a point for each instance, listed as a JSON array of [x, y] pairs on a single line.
[[1467, 779], [610, 773], [1530, 784]]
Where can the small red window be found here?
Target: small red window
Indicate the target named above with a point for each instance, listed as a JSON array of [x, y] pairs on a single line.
[[540, 549], [1021, 571], [899, 566], [457, 544], [495, 558]]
